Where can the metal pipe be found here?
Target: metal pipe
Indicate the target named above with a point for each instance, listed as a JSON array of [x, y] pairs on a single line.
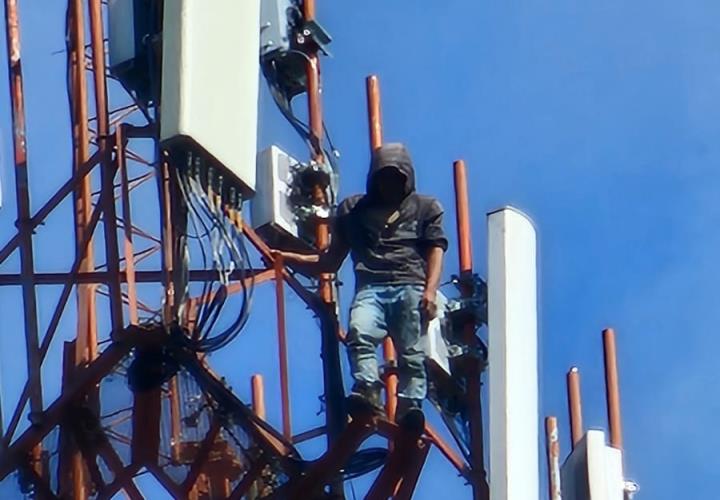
[[86, 345], [282, 347], [258, 395], [477, 453], [553, 458], [462, 208], [127, 226], [332, 373], [612, 388], [22, 193], [574, 405], [372, 86], [107, 172], [448, 451]]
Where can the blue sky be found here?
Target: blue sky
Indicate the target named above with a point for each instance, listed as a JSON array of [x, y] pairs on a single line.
[[599, 119]]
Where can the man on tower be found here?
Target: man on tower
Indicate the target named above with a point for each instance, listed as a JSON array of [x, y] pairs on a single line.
[[396, 240]]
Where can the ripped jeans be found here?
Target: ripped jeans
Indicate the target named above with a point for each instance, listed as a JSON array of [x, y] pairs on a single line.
[[380, 310]]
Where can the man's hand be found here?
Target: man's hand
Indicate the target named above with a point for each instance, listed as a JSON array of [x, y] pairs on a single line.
[[428, 305]]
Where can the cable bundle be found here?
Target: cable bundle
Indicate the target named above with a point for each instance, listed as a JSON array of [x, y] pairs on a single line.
[[217, 236]]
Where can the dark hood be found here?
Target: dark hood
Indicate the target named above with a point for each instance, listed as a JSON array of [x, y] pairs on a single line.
[[396, 155]]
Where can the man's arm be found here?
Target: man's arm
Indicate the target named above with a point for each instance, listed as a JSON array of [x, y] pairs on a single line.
[[436, 243], [432, 282], [328, 261]]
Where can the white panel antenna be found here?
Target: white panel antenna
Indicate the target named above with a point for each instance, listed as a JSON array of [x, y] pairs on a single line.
[[210, 84], [513, 369], [593, 471], [272, 213]]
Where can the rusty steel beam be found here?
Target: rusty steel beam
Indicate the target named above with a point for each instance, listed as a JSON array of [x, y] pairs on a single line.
[[474, 402], [552, 442], [127, 226], [309, 434], [121, 481], [102, 277], [612, 389], [202, 456], [375, 130], [448, 452], [84, 380], [165, 480], [107, 172], [22, 194], [404, 452], [258, 396], [248, 481], [330, 332], [86, 344], [145, 445], [306, 295], [325, 468], [282, 347], [50, 205], [574, 405], [414, 469]]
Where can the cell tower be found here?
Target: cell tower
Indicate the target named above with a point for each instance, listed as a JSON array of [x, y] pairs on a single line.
[[138, 392]]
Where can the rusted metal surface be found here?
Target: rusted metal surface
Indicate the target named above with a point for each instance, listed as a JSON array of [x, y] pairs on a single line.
[[574, 405], [282, 347], [332, 372], [612, 389], [328, 464], [405, 451], [107, 172], [409, 480], [84, 379], [50, 205], [22, 193], [552, 442], [462, 210], [308, 435], [127, 226], [473, 371], [258, 396], [202, 456], [448, 452], [86, 343]]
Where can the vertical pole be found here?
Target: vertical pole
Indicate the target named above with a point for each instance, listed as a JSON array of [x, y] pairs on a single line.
[[127, 226], [258, 395], [332, 373], [376, 140], [553, 458], [574, 405], [112, 255], [22, 195], [462, 208], [282, 347], [86, 343], [612, 389]]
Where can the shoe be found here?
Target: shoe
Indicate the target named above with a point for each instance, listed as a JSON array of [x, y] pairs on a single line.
[[410, 415], [364, 399]]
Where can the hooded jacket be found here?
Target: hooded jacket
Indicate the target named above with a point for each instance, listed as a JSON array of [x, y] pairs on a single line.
[[388, 245]]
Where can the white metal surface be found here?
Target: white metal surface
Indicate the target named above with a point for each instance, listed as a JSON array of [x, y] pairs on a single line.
[[513, 369], [270, 209], [121, 31], [593, 471], [210, 82]]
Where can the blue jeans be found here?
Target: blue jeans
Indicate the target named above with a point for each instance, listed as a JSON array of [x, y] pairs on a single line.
[[380, 310]]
